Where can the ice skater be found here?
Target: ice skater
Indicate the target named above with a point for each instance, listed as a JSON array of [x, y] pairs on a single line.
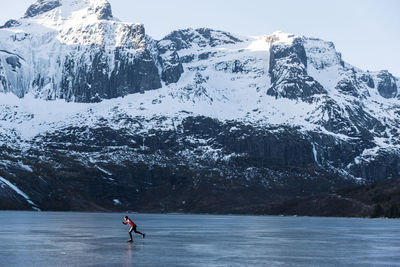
[[133, 228]]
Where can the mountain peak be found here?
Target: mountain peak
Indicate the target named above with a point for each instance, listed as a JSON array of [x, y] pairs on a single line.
[[40, 7], [282, 37], [102, 8]]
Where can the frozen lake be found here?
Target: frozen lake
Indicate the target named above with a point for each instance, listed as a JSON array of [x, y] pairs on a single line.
[[99, 239]]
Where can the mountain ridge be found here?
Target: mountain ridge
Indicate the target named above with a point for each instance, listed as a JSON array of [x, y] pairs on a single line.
[[94, 106]]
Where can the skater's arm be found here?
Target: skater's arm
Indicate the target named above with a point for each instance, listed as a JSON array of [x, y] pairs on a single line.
[[124, 222]]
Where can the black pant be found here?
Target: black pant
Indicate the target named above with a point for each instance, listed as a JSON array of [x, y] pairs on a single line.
[[133, 228]]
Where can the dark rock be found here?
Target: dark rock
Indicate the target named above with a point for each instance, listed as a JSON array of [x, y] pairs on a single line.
[[187, 59], [11, 23], [183, 39], [379, 167], [237, 67], [13, 61], [387, 85], [100, 73], [156, 170], [41, 6], [288, 73], [3, 78], [262, 147], [171, 64], [10, 200], [367, 78], [268, 170], [208, 34], [172, 68], [135, 36], [204, 56], [95, 81], [349, 84], [104, 12], [293, 54], [335, 154], [314, 53]]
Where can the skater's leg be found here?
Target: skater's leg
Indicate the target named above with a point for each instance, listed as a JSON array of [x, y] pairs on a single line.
[[130, 233], [137, 232]]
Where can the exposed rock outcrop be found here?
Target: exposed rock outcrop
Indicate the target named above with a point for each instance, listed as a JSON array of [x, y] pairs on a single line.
[[41, 6]]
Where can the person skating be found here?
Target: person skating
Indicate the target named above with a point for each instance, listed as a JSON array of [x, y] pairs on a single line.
[[127, 220]]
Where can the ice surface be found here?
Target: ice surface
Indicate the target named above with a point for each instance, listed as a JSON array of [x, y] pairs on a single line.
[[99, 239]]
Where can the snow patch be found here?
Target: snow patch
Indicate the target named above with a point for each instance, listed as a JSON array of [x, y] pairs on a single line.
[[19, 192], [24, 166], [103, 170], [315, 153]]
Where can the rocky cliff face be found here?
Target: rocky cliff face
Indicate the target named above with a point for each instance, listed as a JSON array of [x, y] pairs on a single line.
[[96, 115], [288, 71], [40, 7], [90, 55]]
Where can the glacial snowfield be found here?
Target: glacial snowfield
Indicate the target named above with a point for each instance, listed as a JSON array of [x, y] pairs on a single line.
[[223, 95], [227, 96]]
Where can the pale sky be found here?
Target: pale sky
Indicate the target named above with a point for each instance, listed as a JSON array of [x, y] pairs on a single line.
[[366, 32]]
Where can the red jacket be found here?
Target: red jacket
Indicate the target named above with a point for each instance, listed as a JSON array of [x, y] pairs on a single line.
[[130, 222]]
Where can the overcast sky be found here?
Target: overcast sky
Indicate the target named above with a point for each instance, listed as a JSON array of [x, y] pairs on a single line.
[[367, 32]]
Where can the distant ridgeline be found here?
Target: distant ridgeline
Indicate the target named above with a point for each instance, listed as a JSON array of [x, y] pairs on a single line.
[[97, 115]]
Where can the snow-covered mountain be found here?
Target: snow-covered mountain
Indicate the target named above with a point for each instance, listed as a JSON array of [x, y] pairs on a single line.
[[95, 114]]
